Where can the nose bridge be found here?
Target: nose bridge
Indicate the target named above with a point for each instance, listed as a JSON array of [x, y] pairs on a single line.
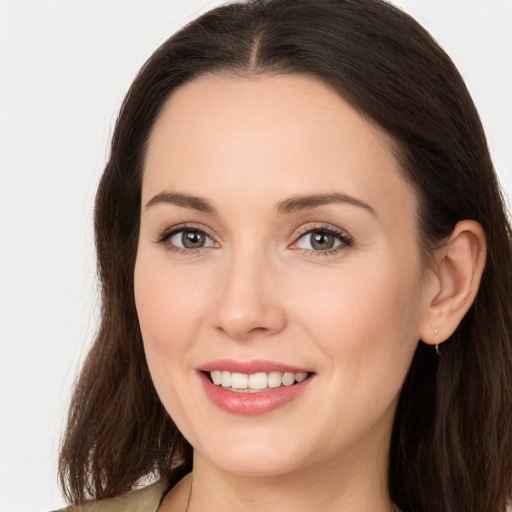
[[248, 304]]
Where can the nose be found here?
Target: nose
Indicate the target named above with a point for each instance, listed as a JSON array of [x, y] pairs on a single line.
[[248, 301]]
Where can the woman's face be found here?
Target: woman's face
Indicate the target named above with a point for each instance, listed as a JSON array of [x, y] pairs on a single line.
[[278, 242]]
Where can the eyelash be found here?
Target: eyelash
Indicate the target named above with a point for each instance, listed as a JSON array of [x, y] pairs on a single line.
[[342, 236], [345, 239], [170, 232]]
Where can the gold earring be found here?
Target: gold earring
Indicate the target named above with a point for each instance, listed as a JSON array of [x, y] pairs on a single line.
[[436, 332]]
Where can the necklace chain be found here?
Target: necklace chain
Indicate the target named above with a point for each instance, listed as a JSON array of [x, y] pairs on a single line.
[[187, 507]]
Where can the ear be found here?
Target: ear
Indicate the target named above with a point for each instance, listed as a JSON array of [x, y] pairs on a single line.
[[454, 281]]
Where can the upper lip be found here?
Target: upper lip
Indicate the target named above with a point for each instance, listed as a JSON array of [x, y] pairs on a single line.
[[249, 367]]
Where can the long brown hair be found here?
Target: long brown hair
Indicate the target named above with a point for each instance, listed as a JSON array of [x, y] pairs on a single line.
[[451, 447]]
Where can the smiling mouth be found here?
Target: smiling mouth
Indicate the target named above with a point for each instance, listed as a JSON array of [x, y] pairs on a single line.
[[254, 382]]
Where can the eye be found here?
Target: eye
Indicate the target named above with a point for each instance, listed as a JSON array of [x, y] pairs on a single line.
[[323, 240], [318, 241], [190, 239], [185, 239]]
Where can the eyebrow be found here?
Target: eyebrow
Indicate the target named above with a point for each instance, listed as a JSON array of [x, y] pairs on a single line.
[[308, 202], [291, 205], [183, 200]]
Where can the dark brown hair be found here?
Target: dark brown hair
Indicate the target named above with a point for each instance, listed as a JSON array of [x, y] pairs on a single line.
[[452, 438]]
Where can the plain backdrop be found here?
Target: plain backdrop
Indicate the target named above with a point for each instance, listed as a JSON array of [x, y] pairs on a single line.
[[64, 68]]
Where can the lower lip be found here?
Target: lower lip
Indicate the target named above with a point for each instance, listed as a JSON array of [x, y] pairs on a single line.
[[251, 404]]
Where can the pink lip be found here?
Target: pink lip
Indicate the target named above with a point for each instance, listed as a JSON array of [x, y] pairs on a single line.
[[248, 367], [251, 404]]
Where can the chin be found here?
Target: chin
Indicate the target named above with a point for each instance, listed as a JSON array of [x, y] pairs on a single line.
[[251, 455], [254, 464]]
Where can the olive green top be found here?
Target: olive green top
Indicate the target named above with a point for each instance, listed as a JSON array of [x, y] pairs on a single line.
[[146, 499]]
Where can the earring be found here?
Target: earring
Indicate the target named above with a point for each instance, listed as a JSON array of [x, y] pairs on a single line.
[[436, 332]]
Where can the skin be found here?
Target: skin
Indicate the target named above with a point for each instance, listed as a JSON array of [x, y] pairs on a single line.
[[257, 290]]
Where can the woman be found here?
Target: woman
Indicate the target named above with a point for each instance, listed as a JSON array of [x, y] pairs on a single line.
[[306, 272]]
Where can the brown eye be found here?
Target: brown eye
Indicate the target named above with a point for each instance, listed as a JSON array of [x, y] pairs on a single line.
[[321, 241], [190, 239]]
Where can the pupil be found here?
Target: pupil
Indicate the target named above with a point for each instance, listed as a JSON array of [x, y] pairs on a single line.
[[322, 241], [192, 239]]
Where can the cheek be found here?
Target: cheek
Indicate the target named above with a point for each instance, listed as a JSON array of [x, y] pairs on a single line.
[[168, 303], [366, 320], [170, 306]]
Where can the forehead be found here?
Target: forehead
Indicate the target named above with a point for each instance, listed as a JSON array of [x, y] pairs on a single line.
[[293, 133], [289, 105]]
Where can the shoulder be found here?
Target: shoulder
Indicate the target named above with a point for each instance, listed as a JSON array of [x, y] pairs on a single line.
[[146, 499]]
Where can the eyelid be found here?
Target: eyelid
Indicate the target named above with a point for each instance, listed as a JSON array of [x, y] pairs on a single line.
[[165, 236], [319, 226], [346, 239]]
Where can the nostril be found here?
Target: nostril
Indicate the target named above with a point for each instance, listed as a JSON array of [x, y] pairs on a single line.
[[258, 330]]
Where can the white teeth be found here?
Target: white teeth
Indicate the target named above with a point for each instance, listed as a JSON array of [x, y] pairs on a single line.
[[288, 379], [299, 377], [226, 379], [239, 381], [258, 380], [255, 381], [216, 377], [274, 379]]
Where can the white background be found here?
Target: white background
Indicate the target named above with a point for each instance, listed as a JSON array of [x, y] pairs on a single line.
[[64, 68]]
